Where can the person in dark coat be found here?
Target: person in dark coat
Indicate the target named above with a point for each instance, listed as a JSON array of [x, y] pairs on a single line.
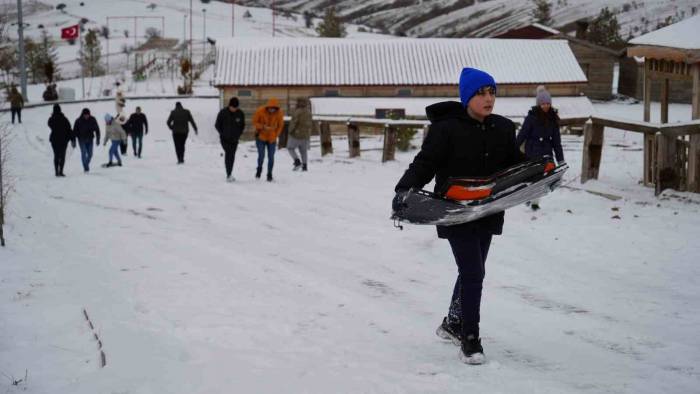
[[464, 140], [178, 122], [540, 132], [86, 130], [16, 104], [136, 126], [230, 123], [61, 134]]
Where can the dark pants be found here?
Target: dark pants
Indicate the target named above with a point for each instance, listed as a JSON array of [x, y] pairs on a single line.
[[123, 146], [179, 139], [137, 138], [59, 155], [230, 154], [17, 111], [86, 153], [270, 147], [470, 253]]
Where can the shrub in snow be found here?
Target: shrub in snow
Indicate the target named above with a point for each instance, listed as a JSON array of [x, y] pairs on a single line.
[[247, 14], [61, 7], [152, 32]]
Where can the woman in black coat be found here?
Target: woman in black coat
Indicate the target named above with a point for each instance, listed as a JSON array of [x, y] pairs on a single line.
[[540, 132], [61, 134]]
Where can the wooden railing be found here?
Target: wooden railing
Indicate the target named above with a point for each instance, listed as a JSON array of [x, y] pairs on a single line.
[[669, 162]]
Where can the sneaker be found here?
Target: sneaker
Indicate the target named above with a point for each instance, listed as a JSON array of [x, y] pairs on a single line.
[[297, 165], [119, 164], [269, 177], [258, 172], [304, 168], [471, 351], [449, 332], [230, 179]]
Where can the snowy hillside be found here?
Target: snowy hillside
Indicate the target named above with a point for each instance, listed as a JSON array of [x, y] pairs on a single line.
[[474, 18], [247, 22], [195, 285]]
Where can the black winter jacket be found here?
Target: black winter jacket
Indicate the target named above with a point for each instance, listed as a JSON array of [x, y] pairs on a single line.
[[179, 121], [230, 125], [541, 137], [61, 131], [458, 145], [86, 129], [136, 123]]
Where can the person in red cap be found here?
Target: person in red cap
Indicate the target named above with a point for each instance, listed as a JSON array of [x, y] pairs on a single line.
[[465, 139]]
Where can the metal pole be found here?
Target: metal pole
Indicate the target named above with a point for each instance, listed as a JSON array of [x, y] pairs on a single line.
[[22, 68], [204, 42], [191, 65], [82, 68], [107, 54]]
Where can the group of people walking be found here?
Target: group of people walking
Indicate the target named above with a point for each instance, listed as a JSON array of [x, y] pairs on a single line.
[[85, 133], [268, 122]]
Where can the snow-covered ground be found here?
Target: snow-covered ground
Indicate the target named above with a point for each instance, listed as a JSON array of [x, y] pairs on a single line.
[[195, 285]]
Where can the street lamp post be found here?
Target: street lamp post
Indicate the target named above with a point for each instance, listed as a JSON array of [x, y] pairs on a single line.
[[22, 68], [204, 42]]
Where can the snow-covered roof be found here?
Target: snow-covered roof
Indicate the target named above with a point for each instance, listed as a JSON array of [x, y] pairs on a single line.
[[546, 28], [406, 61], [683, 35]]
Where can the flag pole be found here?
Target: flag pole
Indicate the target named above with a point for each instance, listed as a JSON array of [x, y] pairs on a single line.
[[82, 69]]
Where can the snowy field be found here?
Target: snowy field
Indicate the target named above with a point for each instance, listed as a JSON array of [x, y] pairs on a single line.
[[195, 285]]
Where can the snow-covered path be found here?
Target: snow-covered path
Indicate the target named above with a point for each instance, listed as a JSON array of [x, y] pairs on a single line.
[[303, 285]]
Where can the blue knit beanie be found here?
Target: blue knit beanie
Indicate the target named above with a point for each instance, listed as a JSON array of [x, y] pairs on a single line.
[[471, 81], [108, 118]]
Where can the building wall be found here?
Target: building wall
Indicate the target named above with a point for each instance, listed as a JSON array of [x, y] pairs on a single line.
[[599, 68], [252, 97], [632, 84]]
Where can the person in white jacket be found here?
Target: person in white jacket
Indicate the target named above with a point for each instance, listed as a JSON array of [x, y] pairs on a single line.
[[115, 133]]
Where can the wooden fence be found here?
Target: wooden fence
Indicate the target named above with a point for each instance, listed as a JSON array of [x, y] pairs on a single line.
[[670, 161]]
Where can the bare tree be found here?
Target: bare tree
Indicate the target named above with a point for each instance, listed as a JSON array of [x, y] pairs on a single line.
[[4, 178]]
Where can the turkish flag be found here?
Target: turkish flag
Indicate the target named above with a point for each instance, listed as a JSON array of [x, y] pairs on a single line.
[[70, 33]]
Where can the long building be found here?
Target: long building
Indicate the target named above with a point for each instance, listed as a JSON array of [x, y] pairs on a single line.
[[287, 68]]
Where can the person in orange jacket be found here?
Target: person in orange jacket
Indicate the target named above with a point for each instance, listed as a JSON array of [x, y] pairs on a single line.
[[268, 122]]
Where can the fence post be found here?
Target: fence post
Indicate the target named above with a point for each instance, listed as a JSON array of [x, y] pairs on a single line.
[[326, 140], [283, 137], [666, 170], [592, 150], [354, 140], [390, 136]]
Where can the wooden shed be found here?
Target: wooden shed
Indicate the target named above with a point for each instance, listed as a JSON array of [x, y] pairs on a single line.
[[597, 62], [288, 68], [671, 54]]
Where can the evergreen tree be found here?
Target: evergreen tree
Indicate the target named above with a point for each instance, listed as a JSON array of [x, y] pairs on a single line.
[[47, 56], [91, 54], [605, 30], [542, 12], [330, 26]]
